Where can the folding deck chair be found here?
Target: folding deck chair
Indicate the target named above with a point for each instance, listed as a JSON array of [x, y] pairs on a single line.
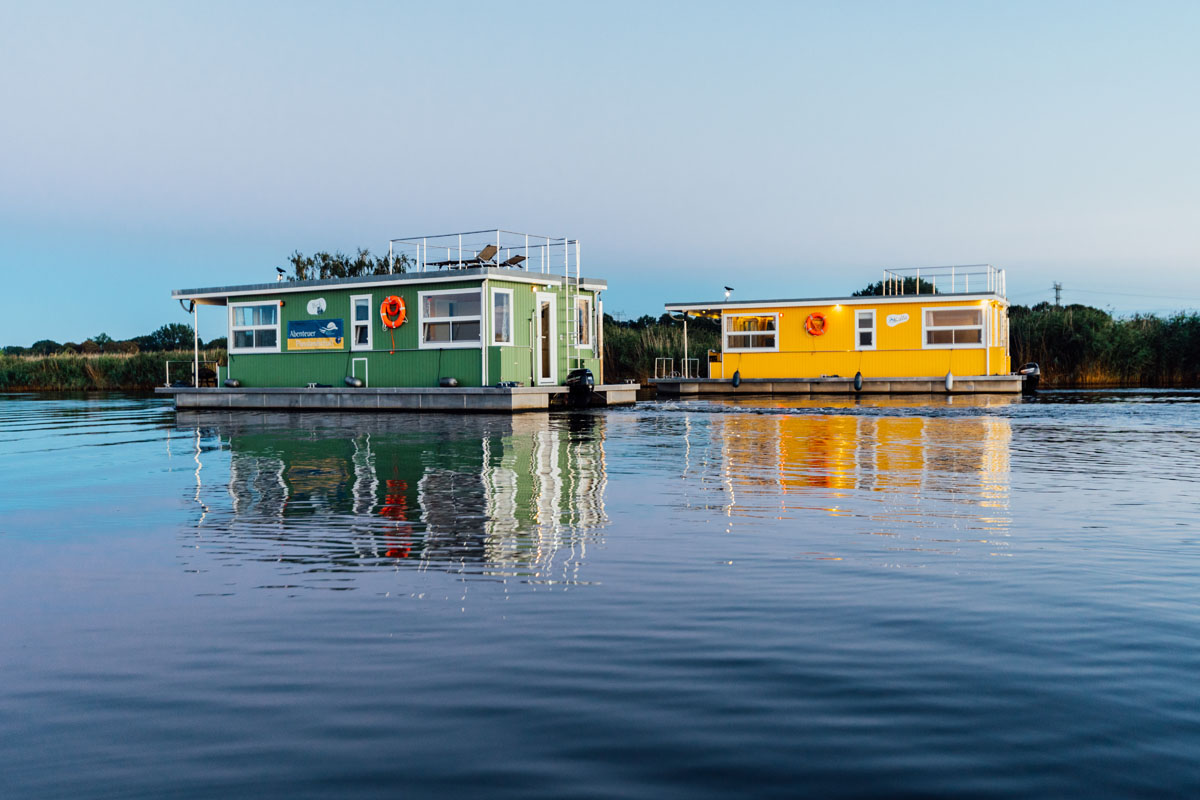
[[482, 259]]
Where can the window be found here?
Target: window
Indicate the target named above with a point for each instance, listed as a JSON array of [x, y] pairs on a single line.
[[864, 329], [749, 332], [583, 322], [451, 318], [502, 316], [254, 327], [960, 326], [360, 321]]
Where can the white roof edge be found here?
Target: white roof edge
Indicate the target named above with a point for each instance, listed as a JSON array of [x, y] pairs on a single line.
[[824, 301]]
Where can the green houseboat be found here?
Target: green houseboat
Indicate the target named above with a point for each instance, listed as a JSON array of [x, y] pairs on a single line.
[[483, 320]]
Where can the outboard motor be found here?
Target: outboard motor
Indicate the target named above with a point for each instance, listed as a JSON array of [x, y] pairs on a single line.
[[1033, 375], [580, 384]]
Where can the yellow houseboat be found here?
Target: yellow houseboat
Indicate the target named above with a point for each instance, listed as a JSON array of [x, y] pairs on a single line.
[[942, 329]]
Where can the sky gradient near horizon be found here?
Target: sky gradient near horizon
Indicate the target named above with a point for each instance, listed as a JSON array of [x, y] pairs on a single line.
[[785, 149]]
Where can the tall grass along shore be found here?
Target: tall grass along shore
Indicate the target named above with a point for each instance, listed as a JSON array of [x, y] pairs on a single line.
[[84, 372], [1081, 346]]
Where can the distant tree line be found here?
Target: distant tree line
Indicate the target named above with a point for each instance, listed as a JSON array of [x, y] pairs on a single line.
[[322, 265], [912, 285], [172, 336]]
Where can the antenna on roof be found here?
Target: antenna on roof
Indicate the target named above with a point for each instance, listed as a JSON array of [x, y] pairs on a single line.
[[279, 277], [728, 289]]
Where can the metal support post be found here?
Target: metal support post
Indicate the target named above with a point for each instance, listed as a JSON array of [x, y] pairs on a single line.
[[196, 344]]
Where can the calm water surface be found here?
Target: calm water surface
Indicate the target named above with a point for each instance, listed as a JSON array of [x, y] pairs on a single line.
[[750, 598]]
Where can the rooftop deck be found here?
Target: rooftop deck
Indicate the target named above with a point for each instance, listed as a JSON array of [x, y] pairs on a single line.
[[954, 279], [489, 248], [969, 281]]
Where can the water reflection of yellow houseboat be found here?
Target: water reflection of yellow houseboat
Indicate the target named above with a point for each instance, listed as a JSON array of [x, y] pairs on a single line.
[[933, 330], [784, 463]]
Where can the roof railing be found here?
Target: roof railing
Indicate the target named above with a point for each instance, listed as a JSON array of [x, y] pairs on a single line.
[[955, 279], [489, 248]]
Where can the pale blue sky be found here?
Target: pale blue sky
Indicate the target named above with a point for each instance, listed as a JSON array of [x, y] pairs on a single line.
[[785, 149]]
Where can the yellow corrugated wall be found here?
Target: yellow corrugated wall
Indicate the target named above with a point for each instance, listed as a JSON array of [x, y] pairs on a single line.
[[898, 354]]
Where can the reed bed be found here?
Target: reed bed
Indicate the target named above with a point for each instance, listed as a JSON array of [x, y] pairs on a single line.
[[630, 349], [1081, 346], [82, 373]]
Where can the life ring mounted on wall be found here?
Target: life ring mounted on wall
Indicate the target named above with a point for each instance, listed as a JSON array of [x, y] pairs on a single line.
[[392, 311], [815, 324]]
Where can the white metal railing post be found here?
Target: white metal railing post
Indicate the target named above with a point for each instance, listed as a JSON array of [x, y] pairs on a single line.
[[578, 283], [685, 346], [196, 343], [918, 281], [460, 251], [952, 286]]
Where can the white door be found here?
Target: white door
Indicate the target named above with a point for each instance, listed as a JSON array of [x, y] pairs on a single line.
[[545, 348]]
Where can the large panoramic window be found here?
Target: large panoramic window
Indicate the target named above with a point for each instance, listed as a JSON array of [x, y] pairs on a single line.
[[960, 326], [750, 332], [254, 327], [451, 318], [360, 315], [583, 321], [502, 316], [864, 329]]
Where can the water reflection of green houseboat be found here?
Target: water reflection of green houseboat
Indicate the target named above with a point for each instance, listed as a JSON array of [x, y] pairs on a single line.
[[514, 491]]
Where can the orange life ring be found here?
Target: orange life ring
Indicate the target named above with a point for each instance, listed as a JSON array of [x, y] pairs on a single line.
[[392, 311], [815, 324]]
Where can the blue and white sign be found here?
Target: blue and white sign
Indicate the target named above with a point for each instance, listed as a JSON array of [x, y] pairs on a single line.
[[315, 334]]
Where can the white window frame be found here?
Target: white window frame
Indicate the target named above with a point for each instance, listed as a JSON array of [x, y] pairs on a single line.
[[232, 339], [981, 327], [862, 312], [354, 323], [508, 341], [725, 333], [587, 320], [451, 345]]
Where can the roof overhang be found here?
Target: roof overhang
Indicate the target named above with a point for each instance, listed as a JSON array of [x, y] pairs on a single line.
[[220, 295]]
